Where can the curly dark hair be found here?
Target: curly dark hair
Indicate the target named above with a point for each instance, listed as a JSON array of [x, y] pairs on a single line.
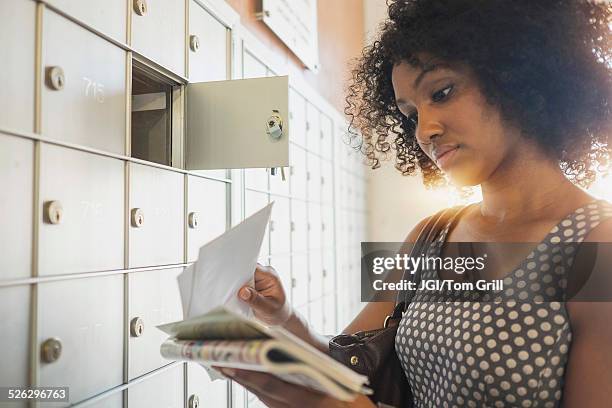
[[545, 64]]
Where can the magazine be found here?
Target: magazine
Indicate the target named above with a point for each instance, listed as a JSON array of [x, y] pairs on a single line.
[[226, 339]]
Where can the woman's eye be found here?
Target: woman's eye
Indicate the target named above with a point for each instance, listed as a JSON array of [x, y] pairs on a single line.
[[441, 94]]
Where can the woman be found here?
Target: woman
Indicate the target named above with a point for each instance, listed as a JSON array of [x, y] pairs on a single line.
[[512, 96]]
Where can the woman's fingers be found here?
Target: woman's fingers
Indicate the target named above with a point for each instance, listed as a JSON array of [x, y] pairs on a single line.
[[274, 390]]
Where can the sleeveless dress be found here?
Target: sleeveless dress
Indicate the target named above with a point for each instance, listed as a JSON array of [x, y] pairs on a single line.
[[500, 353]]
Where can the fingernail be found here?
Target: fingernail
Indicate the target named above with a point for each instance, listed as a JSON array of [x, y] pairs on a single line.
[[245, 293]]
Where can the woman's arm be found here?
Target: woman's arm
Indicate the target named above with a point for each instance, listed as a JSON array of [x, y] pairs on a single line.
[[588, 376]]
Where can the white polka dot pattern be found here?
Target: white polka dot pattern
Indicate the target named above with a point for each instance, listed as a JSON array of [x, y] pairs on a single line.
[[503, 353]]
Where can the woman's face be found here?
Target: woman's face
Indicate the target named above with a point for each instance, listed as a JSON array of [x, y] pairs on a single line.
[[456, 127]]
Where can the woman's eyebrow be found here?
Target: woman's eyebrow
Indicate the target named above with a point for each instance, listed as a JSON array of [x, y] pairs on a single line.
[[427, 69]]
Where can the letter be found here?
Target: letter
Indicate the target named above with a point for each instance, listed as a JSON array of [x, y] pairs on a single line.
[[459, 262], [481, 285], [377, 265], [469, 263], [389, 263], [448, 263], [480, 262], [415, 264]]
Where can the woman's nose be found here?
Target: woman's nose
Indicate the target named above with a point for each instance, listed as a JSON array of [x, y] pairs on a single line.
[[428, 127]]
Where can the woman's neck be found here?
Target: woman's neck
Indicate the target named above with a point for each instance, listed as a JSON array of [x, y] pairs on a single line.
[[526, 186]]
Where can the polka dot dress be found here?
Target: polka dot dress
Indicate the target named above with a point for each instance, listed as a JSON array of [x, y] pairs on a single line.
[[503, 352]]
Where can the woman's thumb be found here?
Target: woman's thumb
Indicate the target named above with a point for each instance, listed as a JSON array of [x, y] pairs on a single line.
[[258, 302], [246, 294]]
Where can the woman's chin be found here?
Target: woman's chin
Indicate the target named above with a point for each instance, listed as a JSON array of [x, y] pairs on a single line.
[[464, 178]]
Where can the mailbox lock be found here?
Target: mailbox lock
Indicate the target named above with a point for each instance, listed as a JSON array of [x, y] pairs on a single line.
[[137, 217], [140, 7], [51, 350], [54, 212], [194, 43], [274, 125], [193, 220], [136, 327], [194, 401], [55, 78]]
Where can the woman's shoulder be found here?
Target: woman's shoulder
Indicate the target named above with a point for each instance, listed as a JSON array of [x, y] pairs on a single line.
[[445, 215], [600, 217]]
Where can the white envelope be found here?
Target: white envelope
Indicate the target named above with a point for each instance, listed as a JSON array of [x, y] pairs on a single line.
[[223, 266]]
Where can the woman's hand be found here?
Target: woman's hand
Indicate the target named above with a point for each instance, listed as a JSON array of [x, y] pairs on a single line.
[[276, 393], [267, 298]]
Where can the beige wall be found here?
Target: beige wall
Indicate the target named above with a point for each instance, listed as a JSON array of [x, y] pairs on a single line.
[[340, 30]]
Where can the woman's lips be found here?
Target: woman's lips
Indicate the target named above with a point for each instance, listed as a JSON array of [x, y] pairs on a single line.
[[444, 159]]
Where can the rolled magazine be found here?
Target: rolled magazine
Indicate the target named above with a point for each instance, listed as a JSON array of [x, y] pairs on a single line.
[[225, 339]]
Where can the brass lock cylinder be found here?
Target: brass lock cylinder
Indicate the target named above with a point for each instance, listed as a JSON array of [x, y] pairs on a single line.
[[51, 350]]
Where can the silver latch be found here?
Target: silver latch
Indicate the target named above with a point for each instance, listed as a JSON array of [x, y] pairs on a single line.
[[193, 220], [53, 212], [274, 125], [194, 43], [51, 350], [140, 7], [55, 78], [136, 327]]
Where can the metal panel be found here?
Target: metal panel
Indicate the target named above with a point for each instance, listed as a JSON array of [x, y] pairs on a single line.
[[14, 342], [314, 226], [208, 62], [313, 133], [17, 48], [165, 389], [327, 182], [227, 123], [252, 67], [299, 277], [327, 134], [114, 400], [256, 179], [315, 275], [206, 201], [297, 115], [158, 193], [106, 16], [328, 271], [159, 34], [327, 226], [297, 171], [253, 202], [280, 233], [313, 165], [154, 298], [90, 189], [86, 315], [299, 225], [277, 184], [16, 179], [329, 315], [90, 108], [209, 393]]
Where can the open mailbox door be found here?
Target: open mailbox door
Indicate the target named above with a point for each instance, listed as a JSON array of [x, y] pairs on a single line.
[[236, 124]]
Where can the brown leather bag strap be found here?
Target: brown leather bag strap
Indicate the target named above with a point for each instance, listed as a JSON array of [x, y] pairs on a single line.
[[428, 234]]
